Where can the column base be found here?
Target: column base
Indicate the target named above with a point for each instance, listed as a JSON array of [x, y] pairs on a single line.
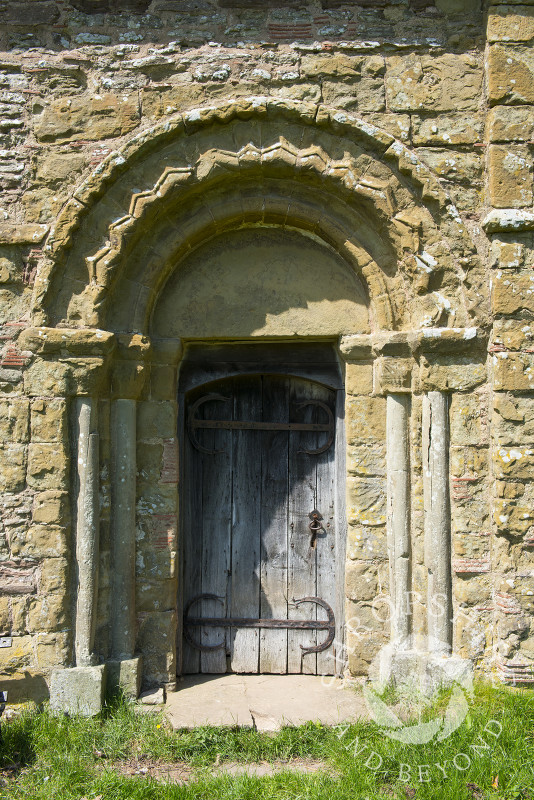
[[78, 690], [124, 674], [424, 671]]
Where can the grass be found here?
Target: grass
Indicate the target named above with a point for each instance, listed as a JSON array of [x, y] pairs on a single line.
[[70, 759]]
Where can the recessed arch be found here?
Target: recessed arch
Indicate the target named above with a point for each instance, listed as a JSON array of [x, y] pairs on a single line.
[[287, 163]]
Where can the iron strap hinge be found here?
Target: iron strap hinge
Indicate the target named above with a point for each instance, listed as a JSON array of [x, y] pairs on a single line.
[[246, 622], [194, 423]]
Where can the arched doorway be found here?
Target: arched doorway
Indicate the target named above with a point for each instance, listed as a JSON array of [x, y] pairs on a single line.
[[262, 520]]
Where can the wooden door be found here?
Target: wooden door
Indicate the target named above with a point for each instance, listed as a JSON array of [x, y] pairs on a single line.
[[259, 460]]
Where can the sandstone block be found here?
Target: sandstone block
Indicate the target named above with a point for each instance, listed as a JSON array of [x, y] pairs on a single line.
[[79, 690], [514, 516], [362, 648], [12, 468], [366, 95], [507, 124], [366, 460], [47, 466], [156, 640], [514, 462], [49, 420], [513, 372], [398, 125], [473, 590], [47, 613], [18, 656], [11, 233], [154, 593], [330, 65], [447, 129], [513, 419], [513, 292], [7, 270], [359, 378], [67, 341], [78, 117], [510, 74], [53, 649], [510, 176], [471, 546], [5, 617], [434, 83], [366, 501], [54, 575], [452, 164], [361, 581], [14, 418], [56, 167], [51, 507], [471, 636], [42, 205], [366, 419], [469, 461], [469, 419], [162, 381], [470, 506], [510, 25], [124, 675], [156, 420], [507, 255], [87, 375], [46, 378], [514, 334], [457, 372], [366, 543], [39, 541], [393, 375]]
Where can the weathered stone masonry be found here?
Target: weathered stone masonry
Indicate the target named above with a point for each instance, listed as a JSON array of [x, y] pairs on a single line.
[[388, 146]]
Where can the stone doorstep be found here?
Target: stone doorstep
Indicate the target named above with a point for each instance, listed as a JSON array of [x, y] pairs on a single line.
[[264, 702]]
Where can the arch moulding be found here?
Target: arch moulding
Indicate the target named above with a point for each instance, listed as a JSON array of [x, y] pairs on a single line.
[[251, 162], [352, 190]]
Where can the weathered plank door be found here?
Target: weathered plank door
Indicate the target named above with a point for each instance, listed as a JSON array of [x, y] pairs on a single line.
[[259, 460]]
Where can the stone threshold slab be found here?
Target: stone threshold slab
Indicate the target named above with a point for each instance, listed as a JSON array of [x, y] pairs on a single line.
[[264, 702]]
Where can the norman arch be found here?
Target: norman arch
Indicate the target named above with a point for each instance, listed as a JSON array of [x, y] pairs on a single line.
[[403, 309]]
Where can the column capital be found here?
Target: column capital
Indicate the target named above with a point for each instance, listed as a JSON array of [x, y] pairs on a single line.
[[129, 369]]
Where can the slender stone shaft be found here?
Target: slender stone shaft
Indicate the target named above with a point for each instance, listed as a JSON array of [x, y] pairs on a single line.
[[437, 520], [87, 532], [398, 516], [123, 481]]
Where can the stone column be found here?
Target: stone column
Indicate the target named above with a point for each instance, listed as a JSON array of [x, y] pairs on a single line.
[[437, 520], [128, 376], [87, 531], [398, 517], [123, 482]]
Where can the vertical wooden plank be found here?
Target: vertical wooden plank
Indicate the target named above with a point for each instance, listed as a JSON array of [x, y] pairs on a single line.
[[216, 523], [274, 502], [326, 540], [301, 557], [192, 541], [246, 531]]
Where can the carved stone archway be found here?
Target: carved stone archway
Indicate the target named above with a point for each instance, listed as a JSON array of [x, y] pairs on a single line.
[[125, 233]]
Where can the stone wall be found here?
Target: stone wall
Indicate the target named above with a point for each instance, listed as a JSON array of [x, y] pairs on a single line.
[[425, 112]]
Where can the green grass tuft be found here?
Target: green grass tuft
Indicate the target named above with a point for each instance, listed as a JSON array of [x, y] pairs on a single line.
[[46, 756]]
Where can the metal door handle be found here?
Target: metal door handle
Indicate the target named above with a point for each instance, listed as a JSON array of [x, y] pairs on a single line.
[[315, 526]]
